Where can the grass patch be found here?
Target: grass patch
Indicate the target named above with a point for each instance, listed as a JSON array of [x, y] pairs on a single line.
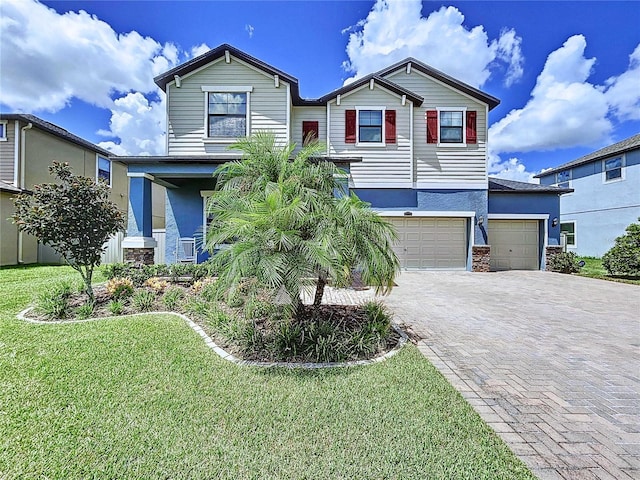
[[143, 397], [593, 269]]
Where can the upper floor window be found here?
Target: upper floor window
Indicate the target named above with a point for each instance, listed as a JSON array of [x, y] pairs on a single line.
[[3, 131], [613, 169], [104, 170], [370, 126], [227, 115], [452, 126], [563, 178]]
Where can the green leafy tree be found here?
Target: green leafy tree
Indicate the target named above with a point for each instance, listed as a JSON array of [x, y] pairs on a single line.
[[624, 257], [287, 228], [75, 217]]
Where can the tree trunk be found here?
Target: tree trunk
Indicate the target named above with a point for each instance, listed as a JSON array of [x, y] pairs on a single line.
[[322, 282]]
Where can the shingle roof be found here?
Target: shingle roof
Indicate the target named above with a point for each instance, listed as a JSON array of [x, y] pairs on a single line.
[[490, 100], [55, 130], [511, 186], [394, 87], [631, 143]]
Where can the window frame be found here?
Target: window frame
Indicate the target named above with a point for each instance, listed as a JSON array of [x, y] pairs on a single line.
[[621, 168], [463, 112], [207, 89], [561, 183], [383, 112], [574, 233], [98, 177], [3, 132]]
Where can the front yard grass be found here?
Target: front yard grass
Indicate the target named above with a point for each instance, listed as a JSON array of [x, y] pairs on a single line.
[[593, 268], [143, 397]]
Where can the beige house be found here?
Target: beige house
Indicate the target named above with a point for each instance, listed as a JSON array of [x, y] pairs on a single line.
[[28, 145]]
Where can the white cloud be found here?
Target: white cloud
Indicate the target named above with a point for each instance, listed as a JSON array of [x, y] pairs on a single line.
[[85, 59], [249, 29], [394, 30], [623, 92], [138, 124], [199, 50], [511, 169]]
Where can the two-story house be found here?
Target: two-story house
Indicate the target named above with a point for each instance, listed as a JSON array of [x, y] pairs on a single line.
[[413, 140], [28, 145], [606, 196]]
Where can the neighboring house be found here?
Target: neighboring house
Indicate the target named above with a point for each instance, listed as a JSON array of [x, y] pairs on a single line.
[[28, 145], [606, 197], [413, 139]]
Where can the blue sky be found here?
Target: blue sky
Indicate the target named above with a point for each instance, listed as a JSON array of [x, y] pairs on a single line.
[[567, 73]]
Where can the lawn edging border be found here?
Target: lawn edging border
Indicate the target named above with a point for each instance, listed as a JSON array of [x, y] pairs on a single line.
[[226, 355]]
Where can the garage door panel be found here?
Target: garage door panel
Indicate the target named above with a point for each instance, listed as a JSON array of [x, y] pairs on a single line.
[[431, 242], [514, 244]]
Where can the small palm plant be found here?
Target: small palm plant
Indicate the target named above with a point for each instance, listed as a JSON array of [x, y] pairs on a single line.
[[287, 227]]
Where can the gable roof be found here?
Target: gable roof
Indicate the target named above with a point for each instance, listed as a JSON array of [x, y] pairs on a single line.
[[511, 186], [394, 87], [490, 100], [631, 143], [55, 130]]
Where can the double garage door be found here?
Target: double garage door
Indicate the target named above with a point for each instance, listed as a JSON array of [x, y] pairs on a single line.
[[431, 242], [514, 244]]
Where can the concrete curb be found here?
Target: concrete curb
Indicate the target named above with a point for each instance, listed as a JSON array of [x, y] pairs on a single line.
[[226, 355]]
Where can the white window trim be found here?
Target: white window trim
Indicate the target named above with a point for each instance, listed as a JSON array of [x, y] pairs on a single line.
[[5, 124], [568, 182], [371, 144], [575, 233], [98, 157], [464, 126], [622, 169], [206, 89]]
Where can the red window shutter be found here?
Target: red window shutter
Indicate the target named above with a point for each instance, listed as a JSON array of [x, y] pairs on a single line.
[[309, 131], [472, 135], [390, 126], [432, 126], [350, 126]]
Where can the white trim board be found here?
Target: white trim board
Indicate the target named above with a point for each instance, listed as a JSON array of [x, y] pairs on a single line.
[[425, 213], [518, 216]]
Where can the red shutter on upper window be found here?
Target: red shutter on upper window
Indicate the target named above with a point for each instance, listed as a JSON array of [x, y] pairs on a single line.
[[309, 131], [350, 126], [472, 135], [432, 126], [390, 126]]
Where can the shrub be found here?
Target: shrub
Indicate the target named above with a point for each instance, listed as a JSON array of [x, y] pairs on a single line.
[[378, 319], [565, 262], [624, 257], [172, 297], [84, 311], [155, 284], [141, 273], [143, 300], [54, 303], [116, 307], [120, 287]]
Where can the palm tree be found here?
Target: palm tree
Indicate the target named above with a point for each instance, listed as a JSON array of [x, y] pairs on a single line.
[[289, 230]]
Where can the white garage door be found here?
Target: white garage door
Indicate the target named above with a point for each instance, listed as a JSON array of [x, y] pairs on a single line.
[[431, 242], [514, 244]]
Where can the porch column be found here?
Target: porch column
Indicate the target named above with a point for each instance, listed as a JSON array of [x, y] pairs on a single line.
[[138, 246]]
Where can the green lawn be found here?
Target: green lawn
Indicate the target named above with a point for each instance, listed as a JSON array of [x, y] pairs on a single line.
[[593, 268], [143, 397]]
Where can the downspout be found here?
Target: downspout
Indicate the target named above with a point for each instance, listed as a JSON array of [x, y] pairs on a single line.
[[23, 156]]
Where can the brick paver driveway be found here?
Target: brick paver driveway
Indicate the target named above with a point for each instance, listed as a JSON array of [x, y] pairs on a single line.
[[550, 361]]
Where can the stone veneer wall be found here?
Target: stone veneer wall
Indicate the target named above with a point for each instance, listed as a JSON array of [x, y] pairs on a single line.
[[481, 258], [550, 252], [138, 255]]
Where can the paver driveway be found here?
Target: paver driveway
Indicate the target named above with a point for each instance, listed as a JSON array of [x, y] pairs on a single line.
[[550, 361]]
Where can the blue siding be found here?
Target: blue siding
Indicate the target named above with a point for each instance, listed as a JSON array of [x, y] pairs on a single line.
[[139, 218]]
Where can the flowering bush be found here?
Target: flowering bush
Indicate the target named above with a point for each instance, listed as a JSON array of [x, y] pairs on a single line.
[[156, 284], [120, 287]]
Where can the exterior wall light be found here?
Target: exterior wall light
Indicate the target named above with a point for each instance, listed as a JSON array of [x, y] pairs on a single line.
[[554, 222], [480, 220]]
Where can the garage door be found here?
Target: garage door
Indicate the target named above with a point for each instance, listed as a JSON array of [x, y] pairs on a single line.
[[514, 244], [426, 242]]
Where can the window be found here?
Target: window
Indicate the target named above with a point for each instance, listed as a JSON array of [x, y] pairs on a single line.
[[563, 178], [309, 132], [568, 230], [451, 127], [104, 170], [370, 126], [3, 131], [613, 169], [227, 114]]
